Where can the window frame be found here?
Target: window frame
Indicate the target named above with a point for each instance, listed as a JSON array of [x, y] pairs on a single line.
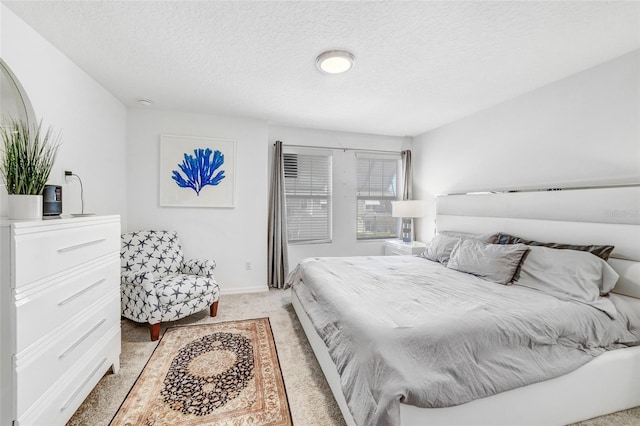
[[329, 197], [398, 189]]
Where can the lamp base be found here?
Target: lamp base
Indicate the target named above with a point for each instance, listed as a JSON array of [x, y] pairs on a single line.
[[407, 229]]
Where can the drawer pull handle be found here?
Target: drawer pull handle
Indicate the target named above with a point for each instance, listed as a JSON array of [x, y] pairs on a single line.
[[77, 246], [75, 394], [81, 292], [81, 339]]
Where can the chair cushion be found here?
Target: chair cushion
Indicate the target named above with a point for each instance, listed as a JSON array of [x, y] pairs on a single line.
[[159, 252], [175, 289], [181, 310]]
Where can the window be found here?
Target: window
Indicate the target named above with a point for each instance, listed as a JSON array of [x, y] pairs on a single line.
[[377, 186], [307, 183]]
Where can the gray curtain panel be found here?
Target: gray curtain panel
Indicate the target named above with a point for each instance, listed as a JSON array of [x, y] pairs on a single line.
[[277, 233], [407, 189], [407, 179]]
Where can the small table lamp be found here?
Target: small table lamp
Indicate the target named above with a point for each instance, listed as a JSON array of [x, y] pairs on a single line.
[[407, 210]]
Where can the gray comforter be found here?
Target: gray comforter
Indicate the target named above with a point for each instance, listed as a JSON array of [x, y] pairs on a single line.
[[405, 329]]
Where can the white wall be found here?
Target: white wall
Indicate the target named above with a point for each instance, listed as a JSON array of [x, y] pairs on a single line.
[[230, 236], [92, 121], [583, 130], [344, 241]]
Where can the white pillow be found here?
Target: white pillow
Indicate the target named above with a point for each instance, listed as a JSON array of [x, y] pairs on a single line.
[[569, 275], [492, 262], [440, 248]]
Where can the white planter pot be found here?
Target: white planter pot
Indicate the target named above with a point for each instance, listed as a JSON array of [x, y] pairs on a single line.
[[24, 207]]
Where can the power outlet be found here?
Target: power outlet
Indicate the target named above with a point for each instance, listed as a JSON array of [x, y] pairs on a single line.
[[248, 266], [67, 176]]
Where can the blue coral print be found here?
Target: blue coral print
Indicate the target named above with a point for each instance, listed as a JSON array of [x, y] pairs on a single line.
[[199, 170]]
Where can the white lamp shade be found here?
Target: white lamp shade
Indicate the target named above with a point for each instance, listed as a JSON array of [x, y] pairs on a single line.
[[408, 208]]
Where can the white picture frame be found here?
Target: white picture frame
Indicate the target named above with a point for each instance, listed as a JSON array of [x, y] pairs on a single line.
[[197, 171]]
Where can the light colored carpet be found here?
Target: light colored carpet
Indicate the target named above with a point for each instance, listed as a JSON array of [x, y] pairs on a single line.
[[309, 395]]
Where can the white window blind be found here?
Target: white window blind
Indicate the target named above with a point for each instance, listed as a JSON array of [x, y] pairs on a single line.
[[307, 182], [377, 185]]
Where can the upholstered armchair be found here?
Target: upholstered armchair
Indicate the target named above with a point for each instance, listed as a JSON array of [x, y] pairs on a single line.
[[158, 285]]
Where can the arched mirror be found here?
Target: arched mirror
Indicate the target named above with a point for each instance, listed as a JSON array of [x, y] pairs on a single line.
[[14, 102]]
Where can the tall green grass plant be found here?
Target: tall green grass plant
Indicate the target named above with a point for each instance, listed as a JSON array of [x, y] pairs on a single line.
[[28, 156]]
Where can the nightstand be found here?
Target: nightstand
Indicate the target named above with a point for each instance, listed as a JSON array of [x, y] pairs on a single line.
[[400, 248]]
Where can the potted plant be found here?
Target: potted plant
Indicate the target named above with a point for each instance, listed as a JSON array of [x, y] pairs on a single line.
[[27, 159]]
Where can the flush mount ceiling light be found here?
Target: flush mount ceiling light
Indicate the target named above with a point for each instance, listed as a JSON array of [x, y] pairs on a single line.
[[335, 61], [145, 102]]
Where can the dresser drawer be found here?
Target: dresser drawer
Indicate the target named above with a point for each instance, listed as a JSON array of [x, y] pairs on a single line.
[[38, 368], [40, 254], [60, 401], [41, 311]]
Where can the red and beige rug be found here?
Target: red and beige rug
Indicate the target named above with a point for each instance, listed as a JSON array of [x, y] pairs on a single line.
[[211, 374]]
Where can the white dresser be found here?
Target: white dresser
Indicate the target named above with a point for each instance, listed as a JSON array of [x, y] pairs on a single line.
[[59, 315]]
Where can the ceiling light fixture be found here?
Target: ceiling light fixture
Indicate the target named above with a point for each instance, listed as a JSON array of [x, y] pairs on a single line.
[[145, 102], [335, 61]]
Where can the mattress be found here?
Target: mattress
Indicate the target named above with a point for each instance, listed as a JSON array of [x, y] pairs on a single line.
[[404, 329]]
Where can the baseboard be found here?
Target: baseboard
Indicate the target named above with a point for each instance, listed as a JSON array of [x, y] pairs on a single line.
[[242, 290]]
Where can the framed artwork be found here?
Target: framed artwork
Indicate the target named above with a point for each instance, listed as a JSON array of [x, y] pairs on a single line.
[[197, 172]]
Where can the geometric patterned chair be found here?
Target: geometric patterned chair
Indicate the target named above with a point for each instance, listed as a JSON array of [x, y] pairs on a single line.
[[158, 285]]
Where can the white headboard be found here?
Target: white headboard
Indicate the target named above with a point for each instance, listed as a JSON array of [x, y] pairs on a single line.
[[608, 216]]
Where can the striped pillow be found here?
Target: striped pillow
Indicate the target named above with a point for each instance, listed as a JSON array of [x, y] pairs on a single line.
[[602, 252]]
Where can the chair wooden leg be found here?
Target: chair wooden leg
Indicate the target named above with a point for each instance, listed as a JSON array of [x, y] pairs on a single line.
[[155, 331], [214, 309]]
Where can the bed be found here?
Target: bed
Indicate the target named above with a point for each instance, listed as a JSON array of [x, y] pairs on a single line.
[[591, 382]]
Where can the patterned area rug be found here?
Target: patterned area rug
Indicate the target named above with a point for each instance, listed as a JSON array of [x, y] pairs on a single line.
[[210, 374]]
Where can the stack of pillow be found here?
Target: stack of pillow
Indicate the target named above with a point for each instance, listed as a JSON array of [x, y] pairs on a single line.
[[579, 273]]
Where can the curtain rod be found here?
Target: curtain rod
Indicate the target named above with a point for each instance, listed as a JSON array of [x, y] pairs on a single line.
[[344, 149]]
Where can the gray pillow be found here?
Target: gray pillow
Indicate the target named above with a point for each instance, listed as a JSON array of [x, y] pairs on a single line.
[[487, 238], [579, 274], [440, 248], [492, 262]]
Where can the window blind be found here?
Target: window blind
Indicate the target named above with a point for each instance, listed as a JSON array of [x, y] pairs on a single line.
[[376, 187], [307, 181]]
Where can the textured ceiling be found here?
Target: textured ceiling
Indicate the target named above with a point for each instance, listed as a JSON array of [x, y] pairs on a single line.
[[419, 65]]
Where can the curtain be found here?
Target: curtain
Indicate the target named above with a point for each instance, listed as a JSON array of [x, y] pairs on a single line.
[[407, 187], [278, 263], [407, 184]]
